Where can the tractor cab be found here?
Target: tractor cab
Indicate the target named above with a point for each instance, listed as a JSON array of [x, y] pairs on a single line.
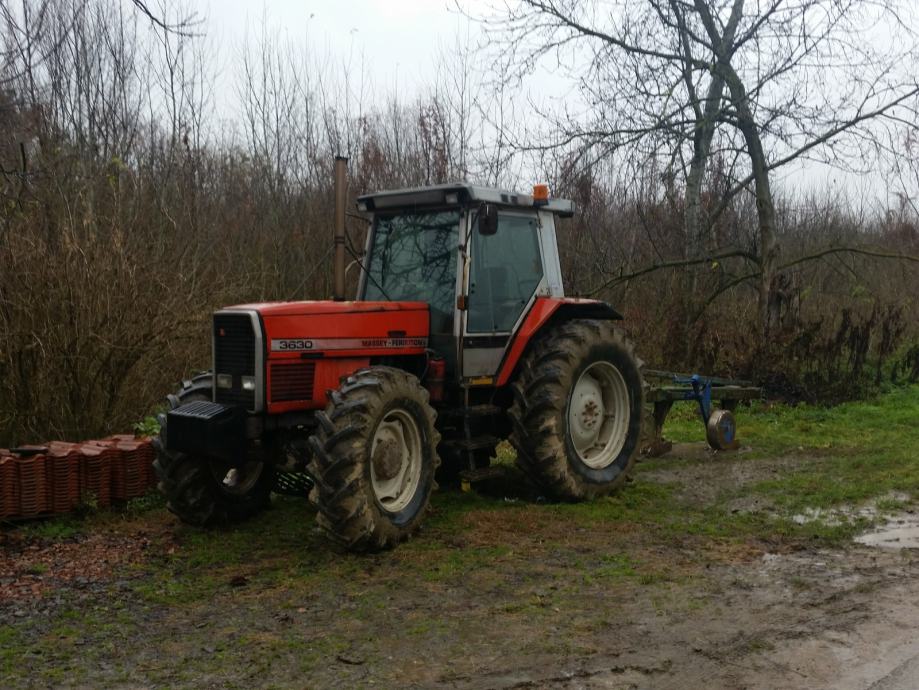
[[479, 257]]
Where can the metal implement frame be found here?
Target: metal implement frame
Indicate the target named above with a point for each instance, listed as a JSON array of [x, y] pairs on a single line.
[[690, 387]]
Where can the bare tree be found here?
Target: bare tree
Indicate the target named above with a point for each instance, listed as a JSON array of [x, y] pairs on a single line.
[[763, 84], [132, 206], [184, 26]]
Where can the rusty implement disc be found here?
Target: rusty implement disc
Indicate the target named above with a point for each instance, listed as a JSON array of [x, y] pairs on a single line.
[[721, 431]]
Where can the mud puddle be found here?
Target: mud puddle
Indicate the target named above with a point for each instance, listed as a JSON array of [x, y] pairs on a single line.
[[900, 532], [888, 531]]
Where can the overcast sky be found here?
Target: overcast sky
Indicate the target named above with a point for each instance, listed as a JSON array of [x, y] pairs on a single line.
[[398, 38], [398, 42]]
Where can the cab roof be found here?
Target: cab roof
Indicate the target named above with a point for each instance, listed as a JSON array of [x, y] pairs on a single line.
[[458, 194]]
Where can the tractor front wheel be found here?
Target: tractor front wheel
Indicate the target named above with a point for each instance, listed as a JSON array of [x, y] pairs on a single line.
[[577, 410], [203, 491], [374, 458]]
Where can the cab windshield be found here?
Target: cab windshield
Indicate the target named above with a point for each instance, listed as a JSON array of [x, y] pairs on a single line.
[[413, 257]]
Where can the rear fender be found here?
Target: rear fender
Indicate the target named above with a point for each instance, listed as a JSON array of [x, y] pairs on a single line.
[[545, 313]]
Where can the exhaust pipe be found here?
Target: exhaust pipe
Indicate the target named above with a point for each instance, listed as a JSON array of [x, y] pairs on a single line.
[[341, 199]]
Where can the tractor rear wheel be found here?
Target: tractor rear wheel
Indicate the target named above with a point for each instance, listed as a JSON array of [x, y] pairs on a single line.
[[201, 491], [577, 410], [374, 458]]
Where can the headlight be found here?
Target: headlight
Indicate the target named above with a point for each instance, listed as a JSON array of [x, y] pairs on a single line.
[[248, 383], [224, 381]]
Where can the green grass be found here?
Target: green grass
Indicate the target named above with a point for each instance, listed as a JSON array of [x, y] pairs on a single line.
[[657, 510], [774, 429], [655, 536], [11, 648], [850, 454], [855, 452], [66, 527], [88, 517]]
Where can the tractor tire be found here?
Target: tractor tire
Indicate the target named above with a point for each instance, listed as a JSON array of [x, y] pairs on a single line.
[[374, 459], [193, 486], [577, 410]]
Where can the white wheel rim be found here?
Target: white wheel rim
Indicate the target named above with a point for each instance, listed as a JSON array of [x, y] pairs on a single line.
[[237, 481], [598, 415], [395, 460]]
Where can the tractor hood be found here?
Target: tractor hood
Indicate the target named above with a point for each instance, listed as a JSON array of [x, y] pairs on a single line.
[[320, 307], [358, 329]]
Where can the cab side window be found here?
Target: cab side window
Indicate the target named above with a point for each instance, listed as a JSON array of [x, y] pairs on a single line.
[[506, 270]]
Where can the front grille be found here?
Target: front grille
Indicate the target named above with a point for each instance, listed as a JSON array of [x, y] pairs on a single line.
[[291, 382], [234, 354]]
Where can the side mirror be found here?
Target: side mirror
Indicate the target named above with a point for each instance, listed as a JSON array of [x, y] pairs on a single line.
[[488, 219]]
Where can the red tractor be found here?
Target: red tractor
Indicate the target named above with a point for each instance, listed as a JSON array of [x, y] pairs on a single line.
[[461, 336]]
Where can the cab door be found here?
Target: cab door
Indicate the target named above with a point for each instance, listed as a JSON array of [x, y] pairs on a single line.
[[504, 277]]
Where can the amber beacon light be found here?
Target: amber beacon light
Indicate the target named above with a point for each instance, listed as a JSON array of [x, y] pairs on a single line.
[[540, 194]]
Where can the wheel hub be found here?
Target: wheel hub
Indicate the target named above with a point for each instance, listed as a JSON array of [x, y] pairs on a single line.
[[598, 415], [387, 458], [586, 412], [396, 460], [591, 413]]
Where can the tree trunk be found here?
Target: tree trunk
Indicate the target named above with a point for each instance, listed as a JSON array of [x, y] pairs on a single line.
[[701, 149], [699, 239], [765, 206], [696, 237]]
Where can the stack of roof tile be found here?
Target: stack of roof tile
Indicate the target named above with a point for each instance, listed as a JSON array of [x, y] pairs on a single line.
[[56, 478], [9, 485], [63, 470], [96, 475], [33, 482], [138, 464]]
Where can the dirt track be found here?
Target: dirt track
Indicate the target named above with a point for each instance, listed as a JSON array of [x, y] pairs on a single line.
[[490, 596]]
